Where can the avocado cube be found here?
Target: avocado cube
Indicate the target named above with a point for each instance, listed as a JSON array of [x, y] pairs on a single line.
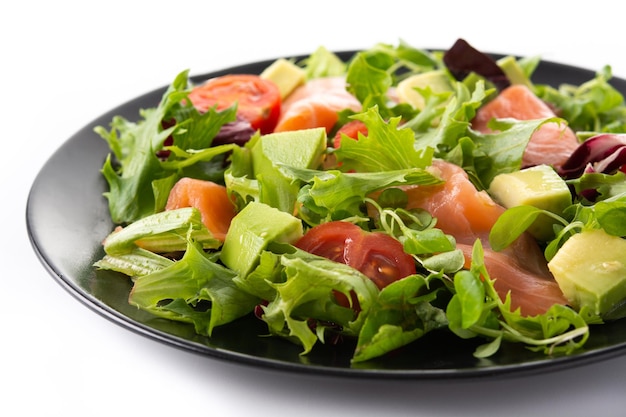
[[590, 269], [437, 80], [251, 230], [286, 75], [300, 149], [539, 186]]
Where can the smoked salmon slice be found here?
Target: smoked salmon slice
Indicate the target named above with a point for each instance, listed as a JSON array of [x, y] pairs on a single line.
[[551, 144], [468, 214], [315, 104], [211, 199]]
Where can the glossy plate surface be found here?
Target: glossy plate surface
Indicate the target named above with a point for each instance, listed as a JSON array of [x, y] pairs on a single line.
[[67, 218]]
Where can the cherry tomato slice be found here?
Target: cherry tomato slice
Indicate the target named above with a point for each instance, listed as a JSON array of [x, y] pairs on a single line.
[[350, 129], [381, 258], [258, 100], [377, 255], [329, 240]]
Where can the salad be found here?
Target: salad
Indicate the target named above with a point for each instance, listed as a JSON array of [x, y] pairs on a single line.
[[401, 192]]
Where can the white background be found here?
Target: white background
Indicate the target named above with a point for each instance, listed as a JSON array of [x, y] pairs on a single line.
[[64, 63]]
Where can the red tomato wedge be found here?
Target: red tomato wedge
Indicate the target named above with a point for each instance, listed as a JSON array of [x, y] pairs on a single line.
[[258, 100], [329, 240], [350, 129], [315, 104], [551, 144], [377, 255]]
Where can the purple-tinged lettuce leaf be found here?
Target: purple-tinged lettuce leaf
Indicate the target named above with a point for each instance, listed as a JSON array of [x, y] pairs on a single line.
[[602, 153], [463, 59]]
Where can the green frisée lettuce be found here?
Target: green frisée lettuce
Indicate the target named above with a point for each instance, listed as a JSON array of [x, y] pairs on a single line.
[[307, 293], [284, 184], [134, 262], [161, 232], [323, 63], [483, 156], [134, 172], [402, 313], [194, 289], [385, 148], [336, 195]]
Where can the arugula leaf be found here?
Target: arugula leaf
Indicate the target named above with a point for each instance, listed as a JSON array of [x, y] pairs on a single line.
[[477, 310], [471, 295], [611, 216], [594, 106], [511, 224], [502, 152]]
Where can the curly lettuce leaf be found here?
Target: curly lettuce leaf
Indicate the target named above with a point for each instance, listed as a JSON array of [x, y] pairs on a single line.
[[387, 147], [195, 290], [483, 156], [408, 59], [372, 72], [162, 232], [323, 63], [455, 119], [134, 166], [260, 281], [134, 263], [308, 294], [401, 314], [337, 195], [369, 83]]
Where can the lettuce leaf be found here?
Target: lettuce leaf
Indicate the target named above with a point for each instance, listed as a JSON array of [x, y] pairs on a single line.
[[594, 106], [323, 63], [307, 294], [134, 170], [194, 289], [162, 232], [337, 195], [386, 147], [401, 314], [476, 310]]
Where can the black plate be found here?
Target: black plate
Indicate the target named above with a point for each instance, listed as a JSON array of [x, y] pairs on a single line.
[[67, 218]]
